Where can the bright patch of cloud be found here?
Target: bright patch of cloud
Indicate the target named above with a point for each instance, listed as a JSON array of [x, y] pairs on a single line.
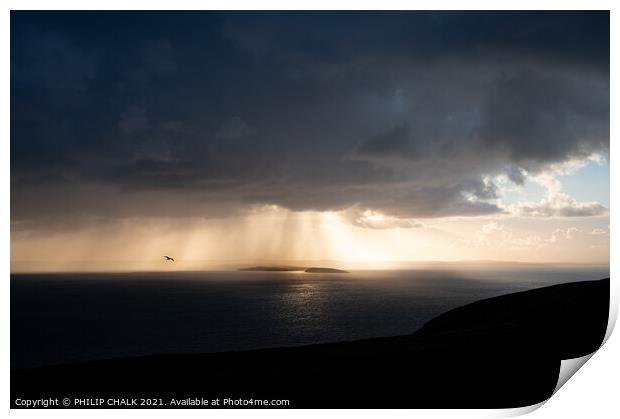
[[378, 221], [497, 235], [557, 203], [490, 234], [600, 232]]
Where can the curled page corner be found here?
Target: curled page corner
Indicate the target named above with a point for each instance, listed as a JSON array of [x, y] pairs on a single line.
[[569, 367], [518, 411]]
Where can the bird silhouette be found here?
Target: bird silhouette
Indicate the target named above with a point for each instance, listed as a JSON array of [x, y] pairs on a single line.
[[168, 258]]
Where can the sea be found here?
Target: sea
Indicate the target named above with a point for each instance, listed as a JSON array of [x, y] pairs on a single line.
[[71, 317]]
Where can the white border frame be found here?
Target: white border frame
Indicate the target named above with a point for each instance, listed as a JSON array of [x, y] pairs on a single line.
[[592, 392]]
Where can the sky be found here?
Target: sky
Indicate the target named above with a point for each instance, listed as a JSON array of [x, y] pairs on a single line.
[[357, 138]]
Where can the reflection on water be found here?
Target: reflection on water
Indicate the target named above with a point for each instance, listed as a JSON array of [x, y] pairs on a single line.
[[304, 307], [59, 318]]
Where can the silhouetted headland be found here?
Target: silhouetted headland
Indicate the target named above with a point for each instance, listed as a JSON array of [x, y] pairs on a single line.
[[496, 353]]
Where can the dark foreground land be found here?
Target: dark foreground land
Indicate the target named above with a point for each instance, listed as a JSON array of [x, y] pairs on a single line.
[[500, 352]]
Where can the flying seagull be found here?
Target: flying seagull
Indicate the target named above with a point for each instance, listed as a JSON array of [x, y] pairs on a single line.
[[168, 258]]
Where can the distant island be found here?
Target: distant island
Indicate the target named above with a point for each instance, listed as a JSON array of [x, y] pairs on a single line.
[[274, 268], [313, 269], [326, 271]]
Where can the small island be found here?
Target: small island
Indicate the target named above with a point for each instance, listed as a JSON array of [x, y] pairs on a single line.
[[274, 268], [326, 271], [314, 269]]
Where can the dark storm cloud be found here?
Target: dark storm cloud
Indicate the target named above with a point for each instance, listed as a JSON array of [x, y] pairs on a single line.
[[394, 143], [542, 117], [516, 175], [406, 113]]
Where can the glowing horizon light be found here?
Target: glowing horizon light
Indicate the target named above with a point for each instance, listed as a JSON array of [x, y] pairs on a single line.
[[273, 234]]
